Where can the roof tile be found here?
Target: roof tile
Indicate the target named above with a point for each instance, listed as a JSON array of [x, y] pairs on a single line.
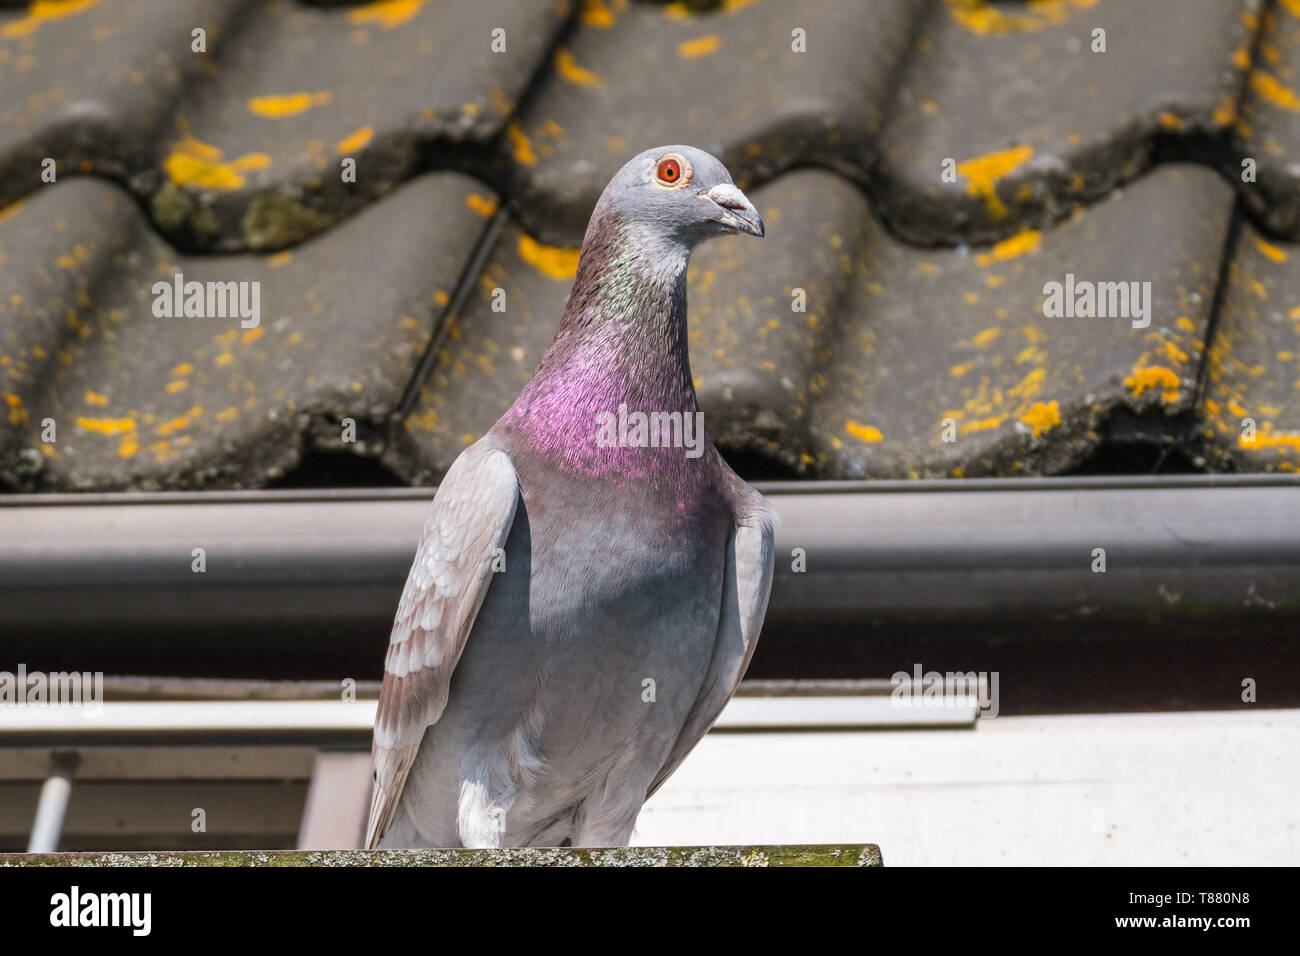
[[1251, 407], [1270, 125], [140, 400], [486, 354], [834, 348], [1028, 121], [635, 75], [242, 147]]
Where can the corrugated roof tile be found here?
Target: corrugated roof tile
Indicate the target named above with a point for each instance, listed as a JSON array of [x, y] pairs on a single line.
[[1251, 407], [243, 146], [764, 86], [144, 393], [1008, 116], [834, 348]]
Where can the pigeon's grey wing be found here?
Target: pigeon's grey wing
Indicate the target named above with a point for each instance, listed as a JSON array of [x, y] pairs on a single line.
[[470, 518], [747, 582]]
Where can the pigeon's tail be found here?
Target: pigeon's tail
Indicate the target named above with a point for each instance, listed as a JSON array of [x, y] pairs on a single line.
[[381, 806], [391, 768]]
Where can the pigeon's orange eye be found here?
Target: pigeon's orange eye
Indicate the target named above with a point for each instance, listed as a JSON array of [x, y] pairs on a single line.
[[669, 172]]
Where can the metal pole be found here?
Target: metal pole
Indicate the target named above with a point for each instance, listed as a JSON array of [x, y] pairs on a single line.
[[53, 804]]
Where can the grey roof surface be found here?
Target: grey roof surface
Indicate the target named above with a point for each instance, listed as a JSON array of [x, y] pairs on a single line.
[[922, 348]]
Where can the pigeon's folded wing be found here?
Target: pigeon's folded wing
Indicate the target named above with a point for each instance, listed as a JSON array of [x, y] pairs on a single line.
[[746, 584], [470, 519]]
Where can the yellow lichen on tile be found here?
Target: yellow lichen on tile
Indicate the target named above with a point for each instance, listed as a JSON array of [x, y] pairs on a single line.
[[107, 426], [280, 106], [182, 421], [1042, 416], [1022, 243], [41, 12], [599, 13], [983, 172], [1288, 441], [357, 139], [866, 433], [982, 425], [1154, 377], [482, 205], [700, 46], [1274, 91], [520, 146], [1270, 251], [17, 413], [989, 19], [195, 163], [1028, 386], [386, 14], [567, 66], [554, 262]]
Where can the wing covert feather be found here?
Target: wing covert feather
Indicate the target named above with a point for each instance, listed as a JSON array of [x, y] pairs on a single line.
[[471, 516]]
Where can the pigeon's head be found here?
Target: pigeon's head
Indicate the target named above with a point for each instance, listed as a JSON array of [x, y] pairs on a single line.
[[683, 193]]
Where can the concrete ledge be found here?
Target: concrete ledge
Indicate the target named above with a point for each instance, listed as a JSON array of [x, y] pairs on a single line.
[[867, 854]]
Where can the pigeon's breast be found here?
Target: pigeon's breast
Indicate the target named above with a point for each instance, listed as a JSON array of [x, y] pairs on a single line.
[[595, 641], [626, 593], [612, 559]]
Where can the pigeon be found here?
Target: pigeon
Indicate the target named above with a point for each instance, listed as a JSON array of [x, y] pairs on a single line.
[[592, 576]]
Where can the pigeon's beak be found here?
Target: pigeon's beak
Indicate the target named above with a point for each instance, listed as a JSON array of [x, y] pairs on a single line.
[[736, 211]]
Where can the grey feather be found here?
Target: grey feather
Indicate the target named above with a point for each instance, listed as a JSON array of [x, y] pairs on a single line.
[[469, 519], [747, 583]]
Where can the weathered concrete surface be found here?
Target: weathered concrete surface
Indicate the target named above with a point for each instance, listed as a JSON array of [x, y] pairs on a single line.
[[730, 81], [1034, 123], [242, 146], [1251, 406], [842, 855], [142, 401]]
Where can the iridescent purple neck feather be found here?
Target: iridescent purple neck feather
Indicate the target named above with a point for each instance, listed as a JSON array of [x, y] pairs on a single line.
[[622, 341]]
